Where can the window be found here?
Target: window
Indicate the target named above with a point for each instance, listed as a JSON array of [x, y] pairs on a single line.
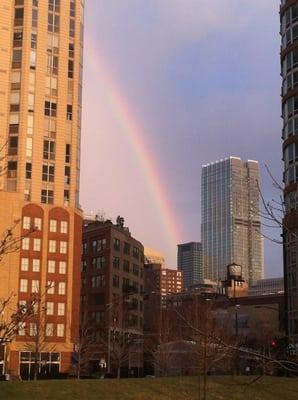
[[48, 150], [135, 286], [53, 23], [50, 109], [47, 196], [126, 265], [23, 285], [35, 286], [53, 43], [30, 123], [22, 328], [52, 64], [51, 86], [126, 248], [37, 224], [24, 264], [15, 80], [135, 269], [51, 287], [32, 329], [15, 101], [28, 172], [31, 81], [36, 265], [53, 225], [67, 153], [135, 252], [84, 265], [99, 262], [70, 68], [97, 281], [33, 40], [101, 244], [51, 266], [116, 262], [26, 222], [29, 144], [25, 244], [60, 330], [116, 281], [61, 288], [23, 306], [17, 39], [32, 60], [63, 247], [30, 102], [71, 27], [69, 112], [52, 246], [50, 308], [36, 244], [17, 59], [62, 267], [18, 16], [54, 5], [61, 308], [49, 329], [116, 244], [72, 11], [67, 175], [71, 50], [97, 316], [64, 227], [12, 167], [66, 197], [34, 18]]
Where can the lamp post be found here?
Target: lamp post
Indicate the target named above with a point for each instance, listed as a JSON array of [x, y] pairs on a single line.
[[234, 276]]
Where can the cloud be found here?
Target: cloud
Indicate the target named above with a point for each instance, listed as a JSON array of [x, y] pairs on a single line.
[[181, 20], [202, 79]]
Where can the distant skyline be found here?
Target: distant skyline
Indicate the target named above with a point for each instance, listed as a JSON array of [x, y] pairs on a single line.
[[202, 82]]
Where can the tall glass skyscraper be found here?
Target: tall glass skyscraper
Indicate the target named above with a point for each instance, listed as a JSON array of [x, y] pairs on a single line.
[[230, 219], [189, 261], [289, 72]]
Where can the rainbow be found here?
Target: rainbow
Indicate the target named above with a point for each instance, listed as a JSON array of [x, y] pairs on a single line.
[[138, 143]]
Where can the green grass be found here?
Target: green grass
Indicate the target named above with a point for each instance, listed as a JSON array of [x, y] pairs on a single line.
[[219, 388]]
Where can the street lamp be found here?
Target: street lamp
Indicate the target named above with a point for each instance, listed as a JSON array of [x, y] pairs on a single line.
[[235, 276]]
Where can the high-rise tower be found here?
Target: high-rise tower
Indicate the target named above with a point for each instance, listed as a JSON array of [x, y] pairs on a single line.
[[189, 261], [41, 51], [230, 219], [289, 71]]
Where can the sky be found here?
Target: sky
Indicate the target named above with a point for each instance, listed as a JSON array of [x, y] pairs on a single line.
[[170, 85]]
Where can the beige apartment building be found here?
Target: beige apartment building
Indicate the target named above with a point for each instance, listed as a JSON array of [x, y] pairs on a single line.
[[41, 47]]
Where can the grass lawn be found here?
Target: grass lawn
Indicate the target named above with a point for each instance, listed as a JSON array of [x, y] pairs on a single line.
[[268, 388]]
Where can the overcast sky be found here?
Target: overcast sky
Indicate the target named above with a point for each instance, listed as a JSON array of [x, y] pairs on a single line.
[[202, 80]]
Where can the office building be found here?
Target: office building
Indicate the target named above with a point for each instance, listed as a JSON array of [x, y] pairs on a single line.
[[189, 261], [289, 64], [230, 219], [112, 294], [41, 47]]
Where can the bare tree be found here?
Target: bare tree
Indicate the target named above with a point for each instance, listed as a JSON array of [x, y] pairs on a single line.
[[84, 346], [18, 315], [39, 331], [10, 241]]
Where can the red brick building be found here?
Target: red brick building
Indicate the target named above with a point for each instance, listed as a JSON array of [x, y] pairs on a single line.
[[112, 271]]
